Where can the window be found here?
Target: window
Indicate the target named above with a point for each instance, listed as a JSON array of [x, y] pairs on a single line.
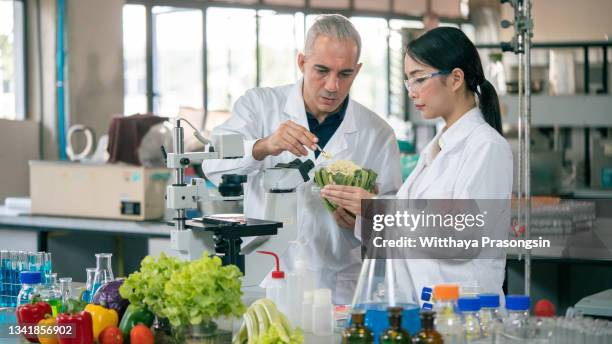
[[371, 85], [281, 37], [12, 60], [232, 60], [134, 59], [177, 60]]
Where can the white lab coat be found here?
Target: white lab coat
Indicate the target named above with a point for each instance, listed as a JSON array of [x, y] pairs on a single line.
[[363, 137], [475, 162]]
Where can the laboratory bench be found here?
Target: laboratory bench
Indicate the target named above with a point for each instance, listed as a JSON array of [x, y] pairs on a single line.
[[73, 241], [575, 266]]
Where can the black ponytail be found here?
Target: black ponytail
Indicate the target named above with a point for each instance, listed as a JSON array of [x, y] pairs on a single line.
[[447, 48], [489, 105]]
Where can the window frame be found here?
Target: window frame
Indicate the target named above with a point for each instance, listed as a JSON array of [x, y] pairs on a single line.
[[203, 5], [22, 90]]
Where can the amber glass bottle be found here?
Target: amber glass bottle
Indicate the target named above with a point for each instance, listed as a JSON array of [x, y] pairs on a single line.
[[358, 333], [395, 334], [427, 335]]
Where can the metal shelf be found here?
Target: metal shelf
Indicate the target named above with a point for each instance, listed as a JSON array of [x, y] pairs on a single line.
[[547, 111]]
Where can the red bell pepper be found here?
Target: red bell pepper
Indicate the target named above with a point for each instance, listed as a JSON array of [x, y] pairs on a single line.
[[82, 328], [30, 314]]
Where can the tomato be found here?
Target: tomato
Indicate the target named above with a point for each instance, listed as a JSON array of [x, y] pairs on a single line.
[[141, 334], [111, 335]]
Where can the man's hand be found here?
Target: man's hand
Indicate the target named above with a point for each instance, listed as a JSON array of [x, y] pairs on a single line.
[[344, 219], [290, 136], [347, 197]]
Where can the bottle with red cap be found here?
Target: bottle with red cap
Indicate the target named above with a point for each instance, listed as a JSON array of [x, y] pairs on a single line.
[[276, 286]]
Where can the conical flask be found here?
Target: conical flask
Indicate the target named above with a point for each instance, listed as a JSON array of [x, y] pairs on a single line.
[[385, 283]]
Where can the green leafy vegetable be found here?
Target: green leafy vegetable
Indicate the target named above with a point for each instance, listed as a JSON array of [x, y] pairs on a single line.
[[146, 286], [344, 172], [203, 290]]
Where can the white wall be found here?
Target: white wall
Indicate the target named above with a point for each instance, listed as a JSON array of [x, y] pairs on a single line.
[[567, 20], [95, 62]]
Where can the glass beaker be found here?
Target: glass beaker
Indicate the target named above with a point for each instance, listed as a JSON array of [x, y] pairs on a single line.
[[384, 283], [66, 290], [89, 284], [104, 271]]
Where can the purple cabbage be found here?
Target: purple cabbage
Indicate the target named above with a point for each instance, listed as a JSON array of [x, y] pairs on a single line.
[[108, 296]]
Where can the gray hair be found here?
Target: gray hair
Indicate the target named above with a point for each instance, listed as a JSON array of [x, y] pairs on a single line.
[[335, 26]]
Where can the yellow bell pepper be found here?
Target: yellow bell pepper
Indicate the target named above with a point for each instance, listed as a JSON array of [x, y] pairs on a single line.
[[46, 338], [101, 318]]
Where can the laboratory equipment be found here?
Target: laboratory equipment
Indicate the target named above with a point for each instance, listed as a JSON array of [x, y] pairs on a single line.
[[428, 334], [322, 312], [223, 234], [469, 308], [104, 271], [299, 280], [515, 325], [51, 294], [65, 284], [489, 313], [307, 311], [448, 322], [276, 287], [87, 294], [357, 333], [123, 192], [384, 283], [599, 304], [30, 286], [395, 334]]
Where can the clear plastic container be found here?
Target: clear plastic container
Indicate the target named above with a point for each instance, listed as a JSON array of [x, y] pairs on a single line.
[[448, 322], [104, 271], [307, 311], [322, 313], [30, 286], [469, 307]]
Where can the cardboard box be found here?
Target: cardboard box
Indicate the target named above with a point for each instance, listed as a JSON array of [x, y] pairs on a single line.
[[98, 191]]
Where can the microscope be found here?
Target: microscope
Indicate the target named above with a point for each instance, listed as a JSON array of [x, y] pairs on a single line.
[[222, 234]]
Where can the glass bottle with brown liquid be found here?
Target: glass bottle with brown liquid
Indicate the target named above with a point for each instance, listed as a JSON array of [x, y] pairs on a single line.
[[427, 335], [358, 333], [395, 334]]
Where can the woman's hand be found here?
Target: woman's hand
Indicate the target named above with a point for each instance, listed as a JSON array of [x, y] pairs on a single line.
[[347, 197]]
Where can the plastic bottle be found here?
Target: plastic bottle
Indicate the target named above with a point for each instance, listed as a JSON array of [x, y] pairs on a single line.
[[515, 324], [276, 287], [428, 334], [447, 322], [51, 294], [395, 333], [489, 314], [322, 313], [300, 279], [469, 307], [30, 286], [307, 311], [358, 333]]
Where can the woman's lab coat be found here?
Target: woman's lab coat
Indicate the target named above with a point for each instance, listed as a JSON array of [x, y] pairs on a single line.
[[363, 137], [474, 162]]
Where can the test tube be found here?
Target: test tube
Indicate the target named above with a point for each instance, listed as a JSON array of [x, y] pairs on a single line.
[[48, 265], [4, 281]]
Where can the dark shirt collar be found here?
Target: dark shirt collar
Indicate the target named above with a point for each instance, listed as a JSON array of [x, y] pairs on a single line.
[[337, 116]]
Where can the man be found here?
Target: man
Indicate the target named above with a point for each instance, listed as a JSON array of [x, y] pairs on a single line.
[[281, 123]]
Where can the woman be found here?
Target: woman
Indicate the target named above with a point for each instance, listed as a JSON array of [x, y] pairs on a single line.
[[468, 159]]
